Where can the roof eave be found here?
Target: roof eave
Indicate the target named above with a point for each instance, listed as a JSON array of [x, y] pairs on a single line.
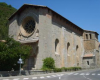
[[91, 31], [23, 6]]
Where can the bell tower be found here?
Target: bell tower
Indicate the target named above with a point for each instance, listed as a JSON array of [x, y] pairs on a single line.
[[90, 40]]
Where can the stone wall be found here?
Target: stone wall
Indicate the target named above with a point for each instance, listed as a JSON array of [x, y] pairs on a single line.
[[49, 31], [15, 25], [89, 62], [90, 40], [72, 42]]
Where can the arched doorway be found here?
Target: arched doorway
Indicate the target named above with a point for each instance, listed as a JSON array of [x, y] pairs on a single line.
[[31, 61]]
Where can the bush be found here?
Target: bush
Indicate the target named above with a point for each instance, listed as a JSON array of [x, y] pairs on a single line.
[[57, 70], [63, 68], [48, 64], [78, 68], [67, 69], [73, 68]]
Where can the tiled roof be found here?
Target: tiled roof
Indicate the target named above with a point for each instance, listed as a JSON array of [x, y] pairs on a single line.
[[88, 55], [2, 40]]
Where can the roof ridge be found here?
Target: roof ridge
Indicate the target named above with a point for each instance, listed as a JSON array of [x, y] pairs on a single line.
[[35, 5]]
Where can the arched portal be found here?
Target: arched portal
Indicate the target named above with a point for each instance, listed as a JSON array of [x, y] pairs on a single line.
[[31, 61]]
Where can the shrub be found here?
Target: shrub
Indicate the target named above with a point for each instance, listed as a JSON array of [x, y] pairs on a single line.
[[48, 64], [72, 68], [63, 68], [66, 69], [57, 70], [78, 68]]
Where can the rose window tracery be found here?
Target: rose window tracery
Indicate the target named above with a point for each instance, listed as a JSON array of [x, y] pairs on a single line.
[[29, 26]]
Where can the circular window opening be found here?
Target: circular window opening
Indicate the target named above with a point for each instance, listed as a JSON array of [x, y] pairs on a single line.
[[29, 26]]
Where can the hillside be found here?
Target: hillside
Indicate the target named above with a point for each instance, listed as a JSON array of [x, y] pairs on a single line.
[[5, 12]]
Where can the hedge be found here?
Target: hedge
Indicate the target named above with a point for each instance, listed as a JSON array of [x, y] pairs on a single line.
[[67, 69]]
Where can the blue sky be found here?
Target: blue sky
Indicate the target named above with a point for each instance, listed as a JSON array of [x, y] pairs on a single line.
[[84, 13]]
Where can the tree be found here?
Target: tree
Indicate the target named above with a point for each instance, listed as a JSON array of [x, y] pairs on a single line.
[[5, 12], [10, 52]]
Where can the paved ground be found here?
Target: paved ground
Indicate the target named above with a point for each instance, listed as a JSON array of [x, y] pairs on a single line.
[[79, 75]]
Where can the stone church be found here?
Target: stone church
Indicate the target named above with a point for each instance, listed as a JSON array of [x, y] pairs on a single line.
[[51, 35]]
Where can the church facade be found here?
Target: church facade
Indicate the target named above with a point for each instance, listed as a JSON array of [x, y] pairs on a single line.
[[51, 35]]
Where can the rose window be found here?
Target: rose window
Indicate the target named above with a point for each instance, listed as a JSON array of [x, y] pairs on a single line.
[[29, 26]]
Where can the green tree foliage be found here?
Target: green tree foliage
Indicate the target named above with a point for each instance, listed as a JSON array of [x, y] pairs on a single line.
[[48, 63], [5, 12], [10, 52]]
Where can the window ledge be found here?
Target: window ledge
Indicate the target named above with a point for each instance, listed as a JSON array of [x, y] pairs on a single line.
[[56, 53], [68, 55]]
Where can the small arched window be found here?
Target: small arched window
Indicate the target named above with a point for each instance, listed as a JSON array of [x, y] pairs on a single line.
[[90, 36], [68, 44], [76, 47], [57, 46], [86, 36]]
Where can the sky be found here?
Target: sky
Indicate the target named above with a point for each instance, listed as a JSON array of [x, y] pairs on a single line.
[[84, 13]]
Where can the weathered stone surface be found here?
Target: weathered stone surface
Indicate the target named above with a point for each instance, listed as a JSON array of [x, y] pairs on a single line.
[[72, 43]]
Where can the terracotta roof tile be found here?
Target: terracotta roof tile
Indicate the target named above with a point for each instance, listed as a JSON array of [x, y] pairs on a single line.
[[2, 40], [88, 55]]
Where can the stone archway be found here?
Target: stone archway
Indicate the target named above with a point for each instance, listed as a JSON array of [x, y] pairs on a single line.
[[31, 61]]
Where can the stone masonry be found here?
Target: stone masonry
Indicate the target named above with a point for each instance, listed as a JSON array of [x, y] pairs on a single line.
[[53, 36]]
